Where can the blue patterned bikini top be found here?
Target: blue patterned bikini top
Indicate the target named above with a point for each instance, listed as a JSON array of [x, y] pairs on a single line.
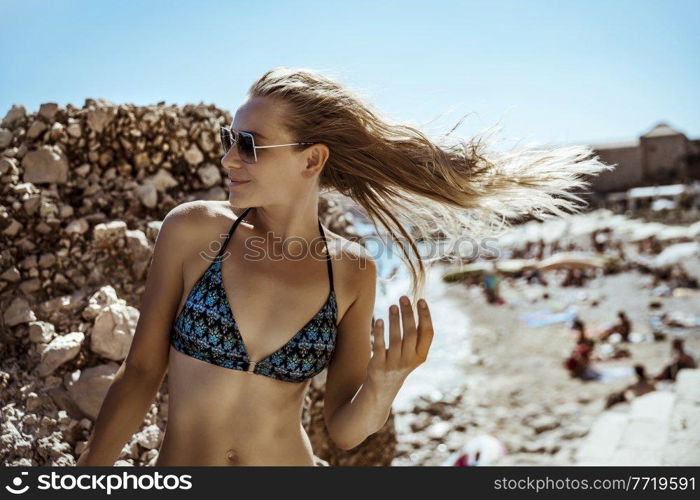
[[207, 330]]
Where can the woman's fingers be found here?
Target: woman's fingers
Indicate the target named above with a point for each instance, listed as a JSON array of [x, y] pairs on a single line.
[[409, 328], [394, 352], [378, 348], [425, 330], [408, 350]]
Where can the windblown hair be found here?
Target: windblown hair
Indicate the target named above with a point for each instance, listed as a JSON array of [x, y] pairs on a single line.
[[420, 188]]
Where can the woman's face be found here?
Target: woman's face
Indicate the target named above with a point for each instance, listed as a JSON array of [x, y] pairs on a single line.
[[280, 176]]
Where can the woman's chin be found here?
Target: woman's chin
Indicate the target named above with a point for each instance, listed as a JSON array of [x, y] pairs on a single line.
[[238, 200]]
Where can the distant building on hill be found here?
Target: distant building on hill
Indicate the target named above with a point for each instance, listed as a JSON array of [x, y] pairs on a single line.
[[661, 156]]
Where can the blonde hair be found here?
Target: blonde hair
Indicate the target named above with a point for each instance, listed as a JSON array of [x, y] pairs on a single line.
[[394, 171]]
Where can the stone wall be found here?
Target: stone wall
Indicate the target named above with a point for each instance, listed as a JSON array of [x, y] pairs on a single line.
[[628, 171]]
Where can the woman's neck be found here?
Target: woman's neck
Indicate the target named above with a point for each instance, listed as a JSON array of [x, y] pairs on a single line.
[[286, 223]]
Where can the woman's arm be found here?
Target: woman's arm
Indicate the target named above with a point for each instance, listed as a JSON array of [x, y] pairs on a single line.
[[347, 370], [139, 377], [351, 415]]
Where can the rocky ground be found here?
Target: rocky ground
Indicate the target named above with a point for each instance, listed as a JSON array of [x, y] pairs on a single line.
[[517, 389]]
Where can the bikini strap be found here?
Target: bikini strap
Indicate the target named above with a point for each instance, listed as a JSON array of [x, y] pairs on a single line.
[[328, 255], [323, 235], [233, 228]]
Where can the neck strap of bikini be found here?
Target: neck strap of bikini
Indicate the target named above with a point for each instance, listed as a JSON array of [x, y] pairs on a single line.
[[320, 228], [233, 228]]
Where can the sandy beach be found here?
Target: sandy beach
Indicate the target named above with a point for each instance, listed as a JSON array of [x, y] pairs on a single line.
[[514, 386]]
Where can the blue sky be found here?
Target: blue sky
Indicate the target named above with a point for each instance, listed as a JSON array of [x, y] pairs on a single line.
[[560, 71]]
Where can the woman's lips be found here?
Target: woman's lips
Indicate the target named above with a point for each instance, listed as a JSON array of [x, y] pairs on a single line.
[[231, 182]]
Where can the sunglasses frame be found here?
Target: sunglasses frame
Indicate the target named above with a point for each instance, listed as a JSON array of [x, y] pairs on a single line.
[[235, 142]]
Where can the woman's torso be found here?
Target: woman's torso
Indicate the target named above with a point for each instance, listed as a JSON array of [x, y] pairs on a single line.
[[221, 416], [218, 416]]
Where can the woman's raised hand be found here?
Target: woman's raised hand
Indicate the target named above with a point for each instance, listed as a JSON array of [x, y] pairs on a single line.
[[391, 365]]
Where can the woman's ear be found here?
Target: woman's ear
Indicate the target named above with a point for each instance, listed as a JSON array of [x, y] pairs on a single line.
[[316, 157]]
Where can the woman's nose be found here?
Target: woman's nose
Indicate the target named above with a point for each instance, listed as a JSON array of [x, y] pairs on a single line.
[[232, 159]]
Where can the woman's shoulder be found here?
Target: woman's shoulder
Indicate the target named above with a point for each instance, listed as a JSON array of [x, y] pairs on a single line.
[[198, 217], [200, 210], [353, 261]]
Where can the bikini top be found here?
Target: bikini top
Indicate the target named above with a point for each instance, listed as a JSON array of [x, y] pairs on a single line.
[[207, 330]]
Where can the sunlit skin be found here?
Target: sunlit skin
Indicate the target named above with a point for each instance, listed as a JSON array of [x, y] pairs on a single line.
[[220, 416], [391, 364]]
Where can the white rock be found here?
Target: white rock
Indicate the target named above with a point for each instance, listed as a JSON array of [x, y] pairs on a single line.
[[152, 229], [102, 298], [5, 138], [37, 128], [148, 194], [99, 118], [194, 156], [88, 387], [209, 174], [113, 331], [149, 437], [61, 349], [65, 304], [13, 228], [41, 332], [78, 226], [48, 110], [7, 165], [139, 251], [137, 243], [74, 130], [18, 312], [162, 180], [12, 274], [28, 287], [16, 113], [83, 169], [44, 165], [109, 232], [14, 440], [47, 260], [438, 430]]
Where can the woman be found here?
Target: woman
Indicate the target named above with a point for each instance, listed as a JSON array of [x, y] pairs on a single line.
[[237, 380]]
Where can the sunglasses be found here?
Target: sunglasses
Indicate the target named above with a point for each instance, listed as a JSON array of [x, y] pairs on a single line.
[[246, 144]]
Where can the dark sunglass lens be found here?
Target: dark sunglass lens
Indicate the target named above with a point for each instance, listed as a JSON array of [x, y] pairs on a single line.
[[246, 148], [226, 141]]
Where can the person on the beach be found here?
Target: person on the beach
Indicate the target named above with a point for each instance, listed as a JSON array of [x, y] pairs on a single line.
[[621, 255], [579, 362], [642, 386], [623, 327], [681, 359], [574, 277], [240, 329], [679, 278], [540, 249], [578, 325], [492, 282], [600, 238], [535, 275], [554, 248]]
